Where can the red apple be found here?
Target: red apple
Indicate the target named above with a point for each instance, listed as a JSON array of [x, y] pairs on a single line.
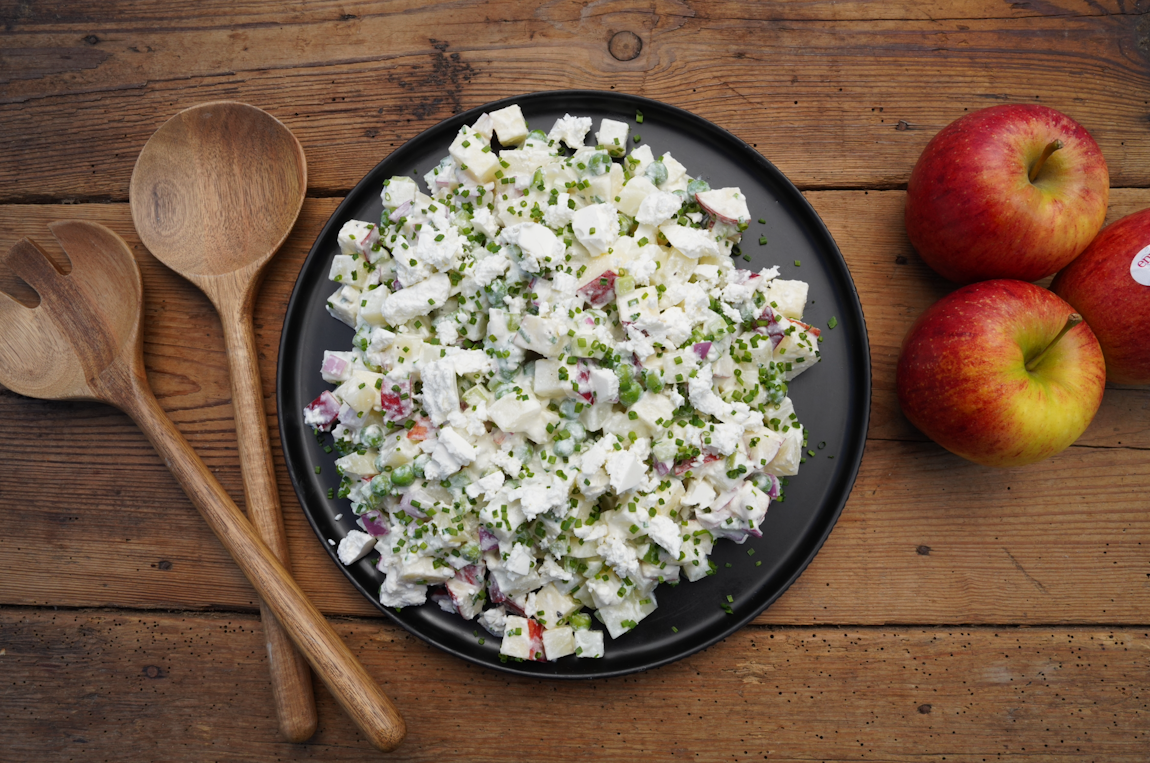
[[1109, 284], [1000, 374], [1013, 191]]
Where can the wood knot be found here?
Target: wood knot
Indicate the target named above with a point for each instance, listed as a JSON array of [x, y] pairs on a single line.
[[153, 671], [625, 46], [923, 550], [91, 39], [924, 709], [164, 565]]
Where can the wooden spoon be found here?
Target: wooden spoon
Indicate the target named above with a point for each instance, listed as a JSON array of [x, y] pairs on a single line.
[[214, 194], [83, 342]]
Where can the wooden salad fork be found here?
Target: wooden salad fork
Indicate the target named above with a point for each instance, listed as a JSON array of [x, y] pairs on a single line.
[[83, 342]]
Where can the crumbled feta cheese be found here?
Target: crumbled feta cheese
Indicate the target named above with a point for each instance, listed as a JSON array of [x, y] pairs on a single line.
[[355, 546], [420, 299], [596, 227], [570, 130], [657, 208]]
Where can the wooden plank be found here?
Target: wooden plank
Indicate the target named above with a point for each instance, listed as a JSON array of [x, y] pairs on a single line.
[[836, 99], [896, 286], [925, 537], [119, 531], [97, 685], [184, 346]]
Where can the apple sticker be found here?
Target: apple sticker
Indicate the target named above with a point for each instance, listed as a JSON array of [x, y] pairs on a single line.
[[1140, 267]]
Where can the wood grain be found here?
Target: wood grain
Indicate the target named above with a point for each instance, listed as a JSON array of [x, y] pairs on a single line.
[[213, 195], [96, 685], [95, 354], [937, 539], [838, 96]]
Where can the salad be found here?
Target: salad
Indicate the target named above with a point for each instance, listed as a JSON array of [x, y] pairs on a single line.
[[561, 391]]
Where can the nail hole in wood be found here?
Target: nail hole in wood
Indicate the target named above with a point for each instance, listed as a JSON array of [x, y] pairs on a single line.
[[625, 46]]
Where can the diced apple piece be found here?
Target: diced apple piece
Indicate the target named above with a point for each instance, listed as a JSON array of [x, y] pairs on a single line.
[[600, 290], [356, 465], [728, 205], [397, 191], [509, 125], [322, 412], [540, 335], [512, 414], [589, 643], [361, 391], [547, 381], [522, 638], [474, 156], [558, 642]]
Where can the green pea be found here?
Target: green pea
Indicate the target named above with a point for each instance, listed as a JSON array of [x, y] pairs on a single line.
[[381, 484], [626, 374], [403, 475], [569, 409], [653, 380], [630, 394], [576, 430], [371, 436], [657, 171], [697, 186]]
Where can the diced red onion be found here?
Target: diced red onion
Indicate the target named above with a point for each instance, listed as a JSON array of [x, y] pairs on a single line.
[[774, 490], [400, 212], [701, 349], [406, 505], [372, 524], [487, 539]]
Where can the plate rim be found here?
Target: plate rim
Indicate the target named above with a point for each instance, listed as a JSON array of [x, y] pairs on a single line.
[[813, 224]]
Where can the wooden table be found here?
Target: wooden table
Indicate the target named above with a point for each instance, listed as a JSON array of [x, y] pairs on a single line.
[[956, 613]]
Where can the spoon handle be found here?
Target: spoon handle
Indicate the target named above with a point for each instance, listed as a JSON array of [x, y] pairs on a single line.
[[291, 681], [346, 678]]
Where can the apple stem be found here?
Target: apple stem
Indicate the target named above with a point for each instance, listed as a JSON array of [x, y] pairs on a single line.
[[1072, 320], [1051, 147]]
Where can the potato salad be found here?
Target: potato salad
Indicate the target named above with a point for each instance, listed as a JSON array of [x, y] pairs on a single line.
[[561, 392]]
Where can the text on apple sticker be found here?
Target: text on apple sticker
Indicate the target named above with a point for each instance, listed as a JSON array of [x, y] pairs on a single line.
[[1140, 267]]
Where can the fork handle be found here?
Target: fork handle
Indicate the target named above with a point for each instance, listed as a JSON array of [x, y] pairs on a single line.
[[346, 678]]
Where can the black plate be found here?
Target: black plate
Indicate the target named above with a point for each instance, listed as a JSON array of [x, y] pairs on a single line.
[[832, 399]]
